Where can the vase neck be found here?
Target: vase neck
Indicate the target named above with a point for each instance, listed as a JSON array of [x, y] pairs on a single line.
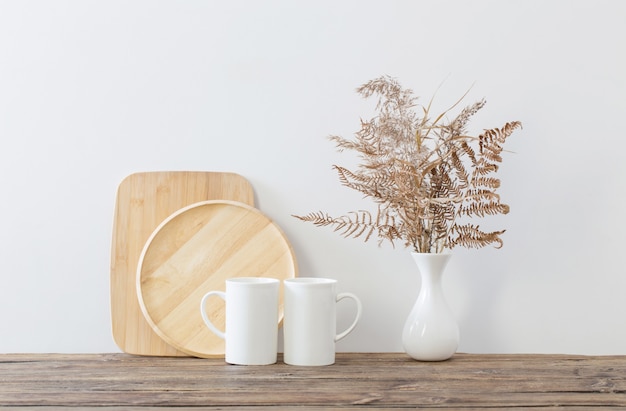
[[434, 263], [431, 267]]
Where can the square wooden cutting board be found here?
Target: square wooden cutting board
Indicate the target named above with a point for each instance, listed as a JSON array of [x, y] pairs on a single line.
[[143, 201]]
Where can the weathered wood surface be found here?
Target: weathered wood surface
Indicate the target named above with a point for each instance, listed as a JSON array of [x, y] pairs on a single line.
[[356, 381]]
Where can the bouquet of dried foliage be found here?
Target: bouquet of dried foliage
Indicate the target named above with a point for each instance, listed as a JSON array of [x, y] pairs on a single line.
[[426, 175]]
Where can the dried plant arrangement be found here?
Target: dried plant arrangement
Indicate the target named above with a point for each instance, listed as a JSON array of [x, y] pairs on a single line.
[[427, 176]]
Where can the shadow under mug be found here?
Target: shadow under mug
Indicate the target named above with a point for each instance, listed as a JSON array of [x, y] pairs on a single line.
[[251, 333], [310, 320]]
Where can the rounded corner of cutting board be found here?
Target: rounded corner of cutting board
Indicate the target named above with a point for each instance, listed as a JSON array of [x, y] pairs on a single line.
[[129, 178]]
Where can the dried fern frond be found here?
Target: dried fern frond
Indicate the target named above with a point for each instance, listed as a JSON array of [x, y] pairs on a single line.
[[481, 209], [356, 224], [491, 144], [360, 224], [487, 182], [423, 172], [370, 185], [471, 236]]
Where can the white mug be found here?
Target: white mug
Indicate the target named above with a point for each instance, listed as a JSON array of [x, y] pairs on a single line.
[[310, 320], [251, 333]]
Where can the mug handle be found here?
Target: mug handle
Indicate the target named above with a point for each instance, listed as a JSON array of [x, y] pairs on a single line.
[[205, 317], [359, 309]]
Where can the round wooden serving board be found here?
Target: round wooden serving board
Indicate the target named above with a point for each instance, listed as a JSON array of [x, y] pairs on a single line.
[[194, 251]]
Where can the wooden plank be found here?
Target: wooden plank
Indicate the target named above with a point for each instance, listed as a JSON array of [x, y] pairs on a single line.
[[143, 201], [355, 381]]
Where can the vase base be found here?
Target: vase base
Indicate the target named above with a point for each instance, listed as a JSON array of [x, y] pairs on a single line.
[[430, 359]]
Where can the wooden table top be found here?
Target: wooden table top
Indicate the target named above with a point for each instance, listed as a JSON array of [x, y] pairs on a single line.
[[355, 381]]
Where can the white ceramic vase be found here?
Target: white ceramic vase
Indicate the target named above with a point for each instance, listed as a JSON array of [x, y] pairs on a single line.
[[431, 332]]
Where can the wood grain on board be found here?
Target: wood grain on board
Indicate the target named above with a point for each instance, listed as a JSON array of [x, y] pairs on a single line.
[[143, 201]]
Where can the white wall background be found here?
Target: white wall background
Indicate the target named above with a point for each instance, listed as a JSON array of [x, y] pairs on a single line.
[[91, 91]]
